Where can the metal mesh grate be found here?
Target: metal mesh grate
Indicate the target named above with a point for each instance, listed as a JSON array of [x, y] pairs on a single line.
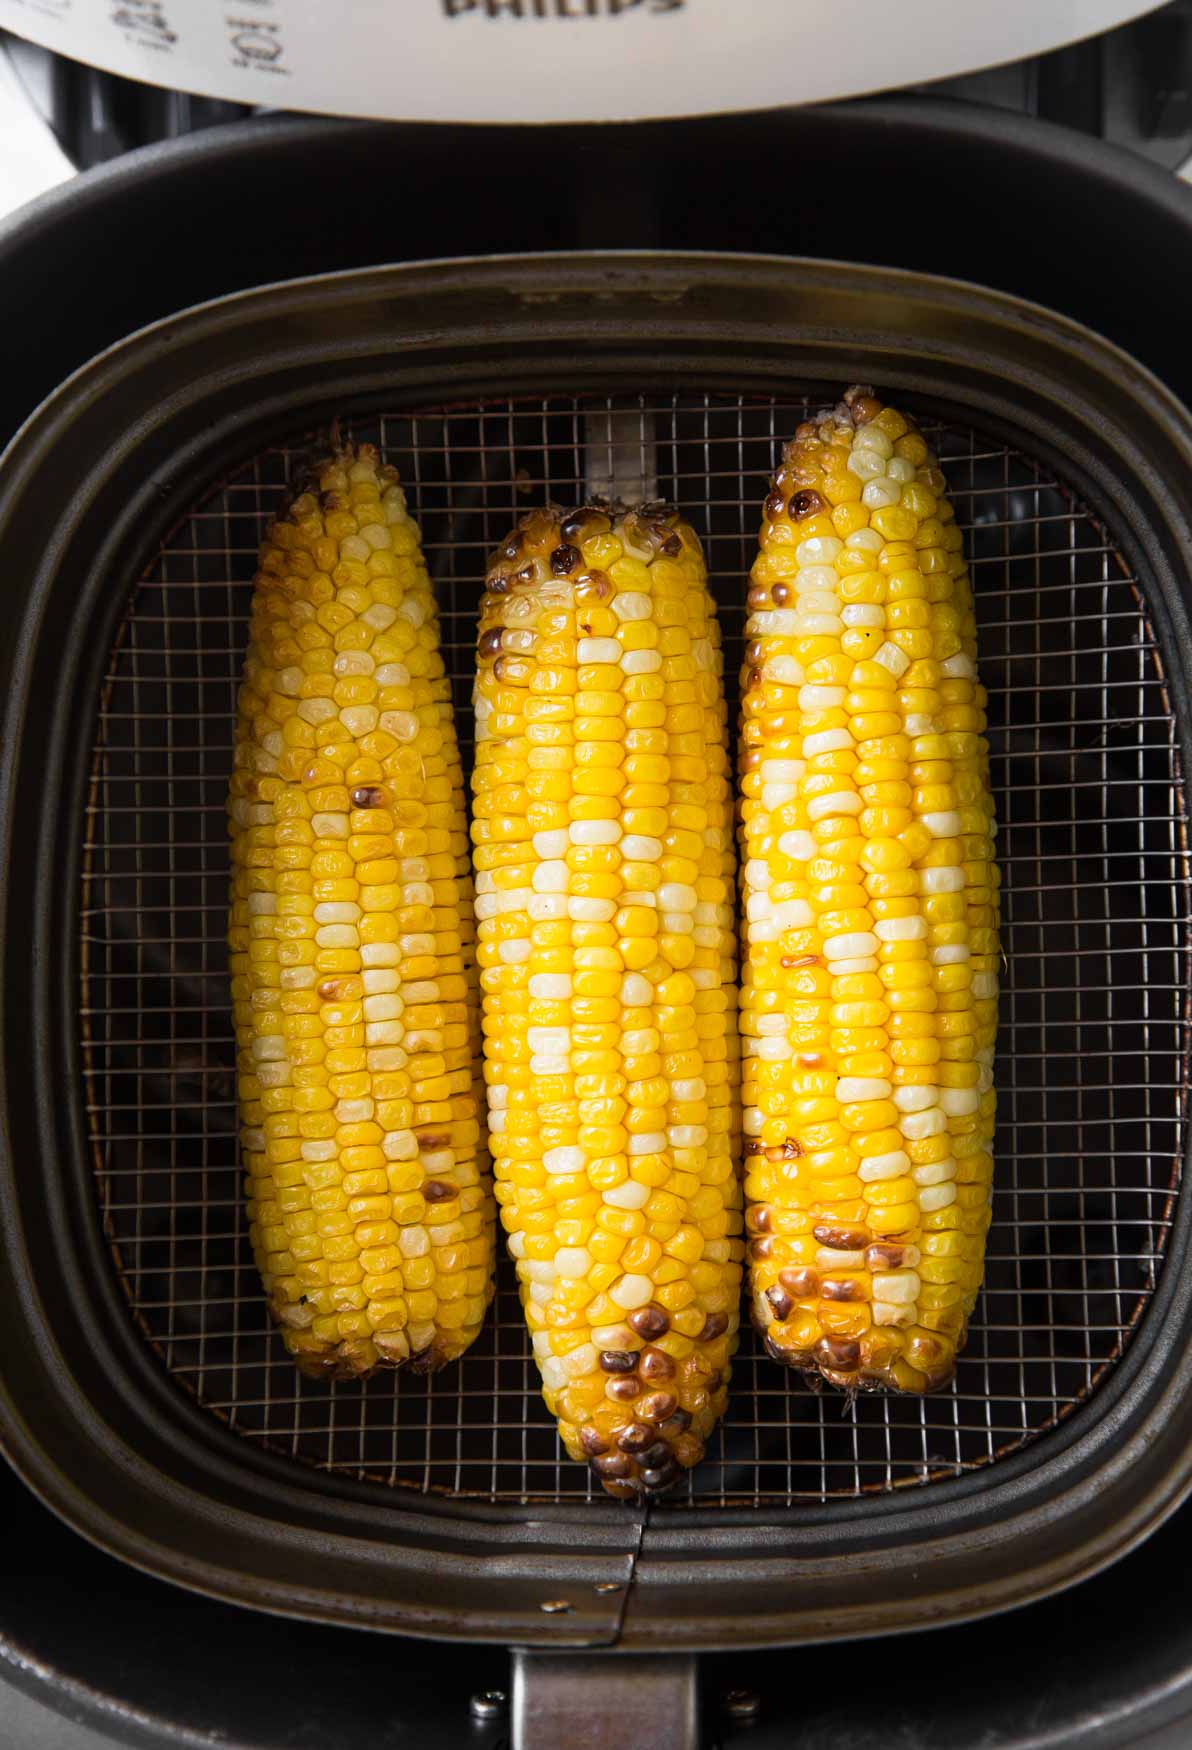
[[1092, 1054]]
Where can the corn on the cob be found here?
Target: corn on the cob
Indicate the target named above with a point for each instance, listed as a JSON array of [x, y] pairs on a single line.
[[869, 1000], [604, 857], [352, 943]]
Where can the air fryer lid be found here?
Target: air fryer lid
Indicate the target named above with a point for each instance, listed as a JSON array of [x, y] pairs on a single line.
[[89, 1414]]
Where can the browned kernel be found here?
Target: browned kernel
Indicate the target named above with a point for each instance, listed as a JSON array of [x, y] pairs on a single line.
[[564, 560], [649, 1321], [490, 642], [839, 1353], [879, 1257], [804, 504], [791, 962], [331, 988], [369, 796], [636, 1437], [623, 1388], [671, 547], [592, 1441], [654, 1455], [430, 1141], [774, 505], [663, 1477], [779, 1301], [842, 1239], [613, 1465], [439, 1191], [715, 1325], [657, 1406], [655, 1364], [834, 1290], [801, 1283], [780, 594], [593, 586], [676, 1424], [618, 1360], [760, 1250]]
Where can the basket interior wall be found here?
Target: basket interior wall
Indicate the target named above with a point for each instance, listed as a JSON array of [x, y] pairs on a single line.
[[1094, 1031]]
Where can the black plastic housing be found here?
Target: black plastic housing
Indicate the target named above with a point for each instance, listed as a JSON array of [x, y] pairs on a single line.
[[1006, 201], [86, 1413]]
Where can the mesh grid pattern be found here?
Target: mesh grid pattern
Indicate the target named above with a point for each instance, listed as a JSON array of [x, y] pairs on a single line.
[[1094, 1031]]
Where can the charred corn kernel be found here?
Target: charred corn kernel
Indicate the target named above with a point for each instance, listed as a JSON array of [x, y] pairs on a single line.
[[615, 1154], [350, 936], [869, 895]]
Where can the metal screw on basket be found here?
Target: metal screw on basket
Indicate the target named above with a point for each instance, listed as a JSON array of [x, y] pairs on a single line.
[[488, 1704], [609, 1586], [555, 1606], [741, 1704]]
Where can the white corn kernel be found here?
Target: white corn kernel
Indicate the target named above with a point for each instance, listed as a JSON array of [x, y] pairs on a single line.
[[857, 1089], [865, 614], [647, 1142], [933, 1197], [916, 1125], [944, 824], [911, 929], [850, 946], [818, 550], [899, 1288], [959, 1102], [874, 1168], [893, 659], [631, 604], [915, 1098], [640, 661], [941, 878], [598, 650], [564, 1160], [594, 832], [550, 844], [629, 1195], [631, 1292], [641, 848], [573, 1261], [935, 1173], [551, 986]]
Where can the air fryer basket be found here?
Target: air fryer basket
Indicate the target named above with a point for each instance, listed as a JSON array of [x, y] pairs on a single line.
[[442, 1506]]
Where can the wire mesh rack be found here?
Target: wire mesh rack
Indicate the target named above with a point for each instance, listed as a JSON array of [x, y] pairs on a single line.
[[1093, 1050]]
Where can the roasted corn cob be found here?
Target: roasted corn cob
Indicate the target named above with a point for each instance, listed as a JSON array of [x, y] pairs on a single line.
[[869, 999], [603, 848], [351, 943]]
